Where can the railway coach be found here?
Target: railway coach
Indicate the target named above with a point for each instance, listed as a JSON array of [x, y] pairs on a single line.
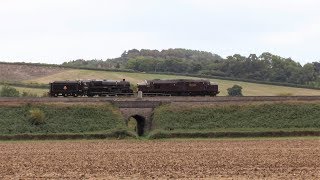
[[179, 87]]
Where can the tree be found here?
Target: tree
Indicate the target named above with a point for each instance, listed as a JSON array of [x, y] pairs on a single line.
[[235, 90], [7, 91], [266, 67]]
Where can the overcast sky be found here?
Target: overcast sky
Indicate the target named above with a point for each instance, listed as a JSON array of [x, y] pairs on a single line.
[[54, 31]]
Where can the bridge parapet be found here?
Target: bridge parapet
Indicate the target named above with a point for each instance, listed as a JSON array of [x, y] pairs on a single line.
[[137, 104]]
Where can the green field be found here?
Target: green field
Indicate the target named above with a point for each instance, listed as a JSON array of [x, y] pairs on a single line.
[[60, 118], [249, 89], [237, 118], [39, 92]]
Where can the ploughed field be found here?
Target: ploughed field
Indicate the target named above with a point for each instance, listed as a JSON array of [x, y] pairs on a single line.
[[194, 159]]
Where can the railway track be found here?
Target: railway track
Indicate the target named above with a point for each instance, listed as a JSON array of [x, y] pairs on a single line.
[[164, 99]]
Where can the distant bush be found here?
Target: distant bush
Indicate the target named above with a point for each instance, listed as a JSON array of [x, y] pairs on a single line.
[[37, 116], [28, 94], [7, 91], [235, 90], [285, 94], [45, 94]]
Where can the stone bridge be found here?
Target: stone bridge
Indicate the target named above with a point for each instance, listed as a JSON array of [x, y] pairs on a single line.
[[141, 111]]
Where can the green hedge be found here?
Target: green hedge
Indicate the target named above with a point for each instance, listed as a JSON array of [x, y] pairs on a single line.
[[60, 118], [276, 116]]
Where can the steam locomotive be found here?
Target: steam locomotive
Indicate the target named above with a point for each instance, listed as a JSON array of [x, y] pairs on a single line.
[[174, 87], [90, 88]]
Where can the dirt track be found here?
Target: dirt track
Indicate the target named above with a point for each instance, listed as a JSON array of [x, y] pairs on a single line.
[[258, 159]]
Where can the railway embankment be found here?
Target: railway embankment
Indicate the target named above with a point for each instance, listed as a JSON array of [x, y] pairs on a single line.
[[237, 120], [60, 121], [192, 117]]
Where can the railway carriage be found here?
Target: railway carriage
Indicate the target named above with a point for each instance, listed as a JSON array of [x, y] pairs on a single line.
[[179, 87]]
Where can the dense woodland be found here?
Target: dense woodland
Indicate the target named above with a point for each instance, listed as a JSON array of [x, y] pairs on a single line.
[[265, 67]]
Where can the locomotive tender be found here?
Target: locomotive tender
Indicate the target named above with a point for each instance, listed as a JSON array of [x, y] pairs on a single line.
[[173, 87]]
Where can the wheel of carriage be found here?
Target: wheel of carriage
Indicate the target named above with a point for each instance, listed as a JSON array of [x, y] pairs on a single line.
[[65, 95], [75, 95]]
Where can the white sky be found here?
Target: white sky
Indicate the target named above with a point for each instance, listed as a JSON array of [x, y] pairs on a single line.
[[54, 31]]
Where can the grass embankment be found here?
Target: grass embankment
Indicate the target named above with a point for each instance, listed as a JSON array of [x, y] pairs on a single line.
[[279, 119], [249, 89], [60, 121]]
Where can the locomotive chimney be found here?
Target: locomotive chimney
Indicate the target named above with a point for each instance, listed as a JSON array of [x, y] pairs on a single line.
[[123, 79]]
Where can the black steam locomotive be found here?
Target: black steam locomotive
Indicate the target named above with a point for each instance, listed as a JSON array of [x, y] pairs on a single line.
[[90, 88], [175, 87]]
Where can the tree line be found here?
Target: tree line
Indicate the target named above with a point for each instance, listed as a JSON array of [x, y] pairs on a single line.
[[265, 67]]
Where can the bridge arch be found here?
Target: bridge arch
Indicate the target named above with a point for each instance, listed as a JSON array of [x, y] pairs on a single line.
[[140, 125], [141, 111]]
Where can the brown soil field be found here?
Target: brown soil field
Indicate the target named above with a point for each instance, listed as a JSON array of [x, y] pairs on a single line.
[[14, 72], [182, 159]]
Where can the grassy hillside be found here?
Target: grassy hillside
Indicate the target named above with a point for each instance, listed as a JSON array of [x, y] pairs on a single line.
[[249, 89], [238, 118], [60, 118], [38, 91], [39, 75]]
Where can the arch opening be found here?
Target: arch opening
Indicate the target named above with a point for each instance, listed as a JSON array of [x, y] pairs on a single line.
[[137, 123]]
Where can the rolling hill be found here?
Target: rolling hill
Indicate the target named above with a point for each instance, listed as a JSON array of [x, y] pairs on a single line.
[[46, 74]]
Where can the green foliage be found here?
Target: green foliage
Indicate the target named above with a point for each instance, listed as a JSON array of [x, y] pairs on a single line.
[[285, 94], [28, 94], [234, 134], [45, 94], [266, 67], [132, 125], [60, 118], [235, 90], [134, 87], [240, 117], [7, 91], [37, 116]]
